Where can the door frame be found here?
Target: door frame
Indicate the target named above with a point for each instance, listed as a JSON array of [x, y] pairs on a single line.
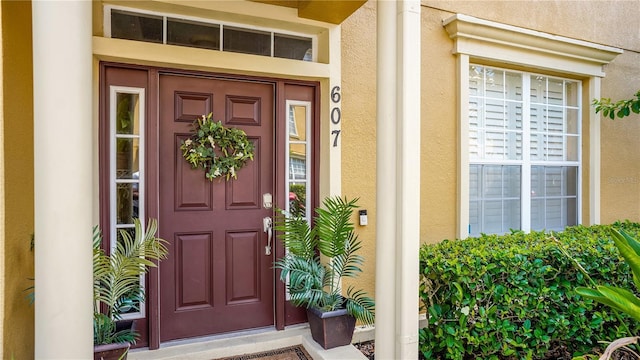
[[149, 327]]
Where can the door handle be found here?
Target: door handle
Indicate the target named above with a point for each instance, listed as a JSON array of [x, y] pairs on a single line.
[[267, 226]]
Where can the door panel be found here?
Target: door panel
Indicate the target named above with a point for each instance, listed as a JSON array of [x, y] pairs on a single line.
[[217, 277]]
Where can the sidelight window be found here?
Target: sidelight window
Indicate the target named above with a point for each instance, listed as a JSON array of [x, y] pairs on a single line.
[[126, 160], [298, 158]]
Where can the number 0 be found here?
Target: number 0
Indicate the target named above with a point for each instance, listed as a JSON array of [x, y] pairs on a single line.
[[336, 115]]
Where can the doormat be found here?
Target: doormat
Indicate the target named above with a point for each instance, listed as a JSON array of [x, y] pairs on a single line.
[[289, 353]]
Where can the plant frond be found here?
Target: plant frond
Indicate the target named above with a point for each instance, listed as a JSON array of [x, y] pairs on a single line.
[[333, 224], [360, 306], [348, 263], [296, 235], [116, 281]]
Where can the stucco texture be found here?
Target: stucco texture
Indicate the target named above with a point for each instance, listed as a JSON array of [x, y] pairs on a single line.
[[359, 130], [612, 23], [18, 322]]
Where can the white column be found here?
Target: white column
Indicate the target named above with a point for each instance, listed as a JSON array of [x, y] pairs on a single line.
[[63, 197], [398, 179], [408, 183], [386, 180], [594, 153]]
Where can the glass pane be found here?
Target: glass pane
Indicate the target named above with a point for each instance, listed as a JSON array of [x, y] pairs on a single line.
[[476, 80], [537, 121], [134, 26], [555, 94], [554, 204], [537, 183], [513, 86], [292, 47], [554, 181], [538, 88], [572, 121], [555, 119], [511, 181], [247, 41], [126, 203], [513, 114], [474, 144], [538, 142], [298, 199], [511, 216], [553, 216], [513, 144], [572, 211], [494, 145], [572, 147], [127, 114], [297, 162], [298, 122], [474, 181], [127, 158], [494, 114], [571, 93], [537, 214], [571, 180], [492, 181], [475, 106], [494, 80], [492, 217], [555, 148], [474, 218], [193, 33], [498, 210]]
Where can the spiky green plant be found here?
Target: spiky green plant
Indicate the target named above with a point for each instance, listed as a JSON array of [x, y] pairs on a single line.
[[313, 283], [618, 298], [116, 278]]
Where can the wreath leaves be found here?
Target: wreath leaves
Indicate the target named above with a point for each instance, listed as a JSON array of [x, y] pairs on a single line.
[[219, 150]]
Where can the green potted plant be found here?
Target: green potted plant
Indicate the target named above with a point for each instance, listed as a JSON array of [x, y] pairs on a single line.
[[316, 284], [116, 286]]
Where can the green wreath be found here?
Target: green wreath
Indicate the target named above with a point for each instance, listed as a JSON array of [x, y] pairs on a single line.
[[220, 151]]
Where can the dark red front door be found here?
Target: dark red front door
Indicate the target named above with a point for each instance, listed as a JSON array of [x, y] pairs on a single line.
[[217, 277]]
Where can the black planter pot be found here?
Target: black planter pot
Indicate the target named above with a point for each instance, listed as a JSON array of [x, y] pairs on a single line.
[[117, 351], [331, 328]]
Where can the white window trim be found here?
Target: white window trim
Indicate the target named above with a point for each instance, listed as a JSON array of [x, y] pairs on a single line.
[[480, 40], [113, 181]]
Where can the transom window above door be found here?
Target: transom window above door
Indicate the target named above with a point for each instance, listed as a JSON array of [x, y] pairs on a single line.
[[172, 29], [524, 151]]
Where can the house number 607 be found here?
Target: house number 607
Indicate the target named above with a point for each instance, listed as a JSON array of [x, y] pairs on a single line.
[[336, 116]]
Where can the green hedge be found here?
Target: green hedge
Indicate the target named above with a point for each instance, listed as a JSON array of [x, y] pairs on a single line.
[[511, 296]]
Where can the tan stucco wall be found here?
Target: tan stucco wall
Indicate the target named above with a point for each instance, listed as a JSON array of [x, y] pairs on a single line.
[[17, 115], [359, 131], [621, 142], [612, 23]]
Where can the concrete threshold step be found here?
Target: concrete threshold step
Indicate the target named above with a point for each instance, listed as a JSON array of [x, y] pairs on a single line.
[[248, 342]]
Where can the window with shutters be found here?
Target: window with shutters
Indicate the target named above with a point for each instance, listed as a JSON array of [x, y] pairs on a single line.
[[524, 151]]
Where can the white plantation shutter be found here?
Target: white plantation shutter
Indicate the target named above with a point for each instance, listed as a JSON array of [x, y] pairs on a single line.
[[494, 198], [496, 143]]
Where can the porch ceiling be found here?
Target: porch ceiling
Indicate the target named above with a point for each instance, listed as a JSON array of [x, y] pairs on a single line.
[[331, 11]]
